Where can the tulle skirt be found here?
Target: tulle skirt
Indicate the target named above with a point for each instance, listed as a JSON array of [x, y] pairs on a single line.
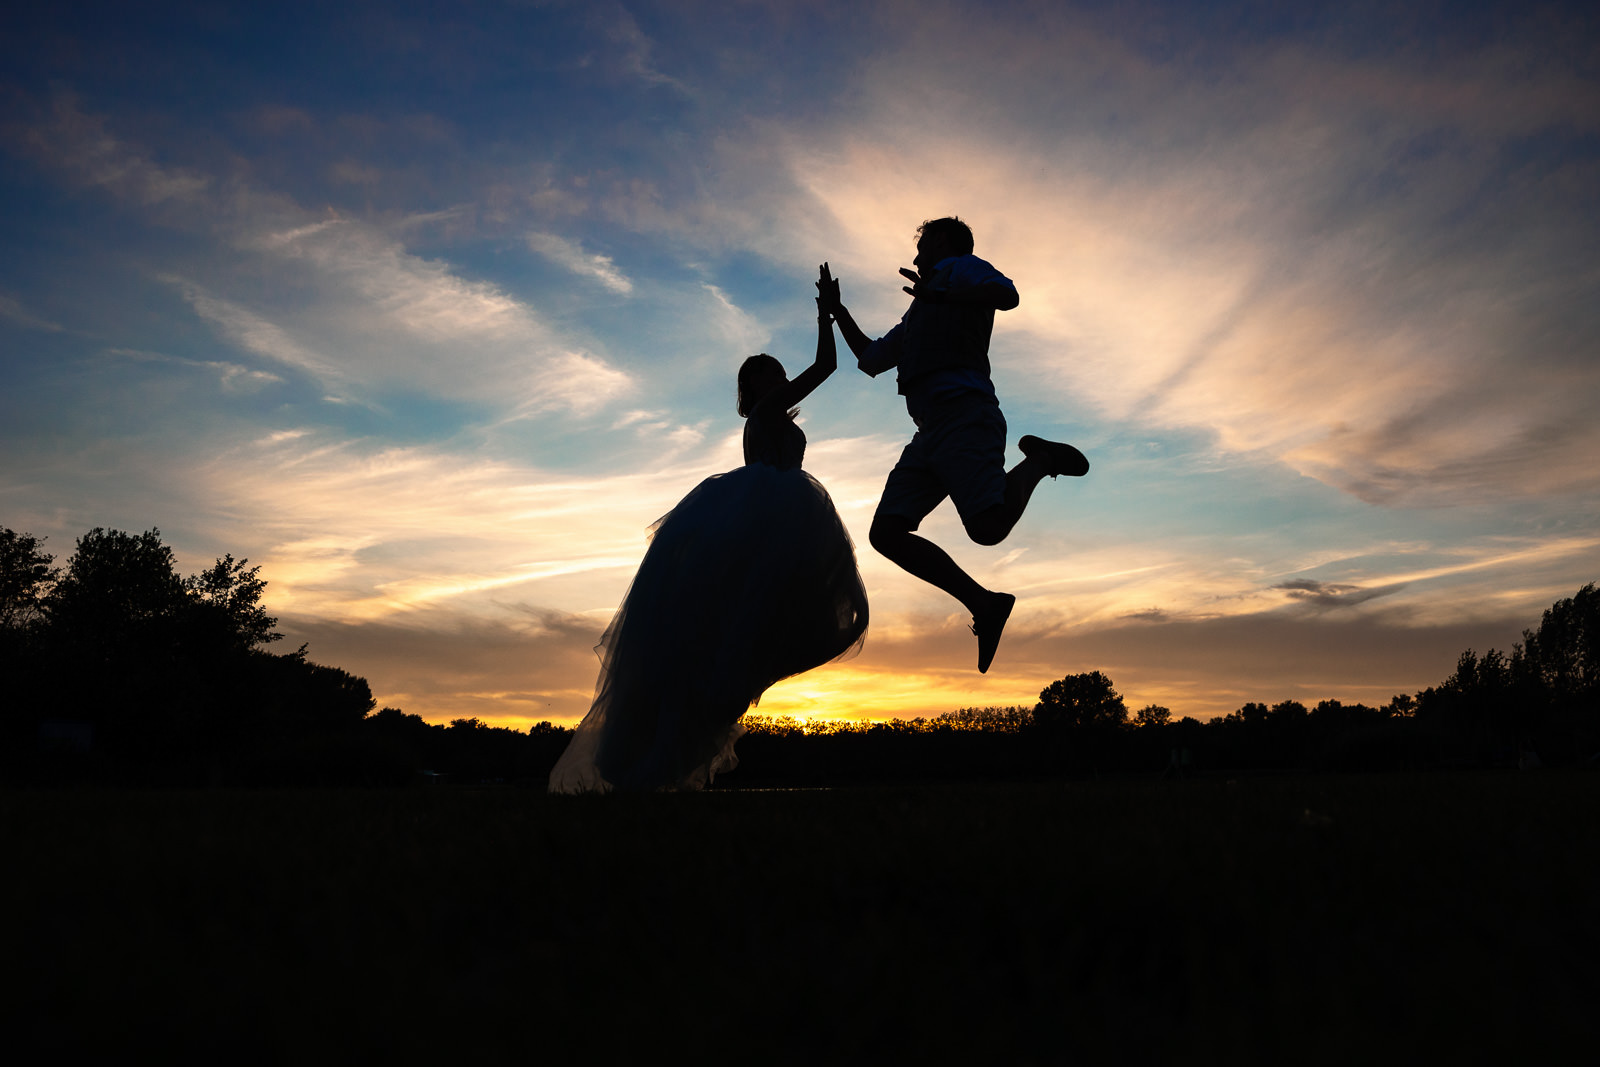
[[749, 580]]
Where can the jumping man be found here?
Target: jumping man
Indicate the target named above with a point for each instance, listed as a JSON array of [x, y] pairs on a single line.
[[941, 347]]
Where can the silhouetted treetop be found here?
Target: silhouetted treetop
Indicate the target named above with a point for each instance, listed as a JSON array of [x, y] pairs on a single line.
[[120, 589], [1152, 715], [232, 594], [1080, 700], [115, 584], [1562, 656], [25, 578]]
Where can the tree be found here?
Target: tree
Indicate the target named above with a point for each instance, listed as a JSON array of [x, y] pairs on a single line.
[[1081, 700], [1562, 657], [1555, 679], [122, 593], [296, 696], [227, 600], [25, 578], [1400, 706], [1253, 713], [1152, 715], [990, 720], [1476, 704], [1490, 674], [117, 588], [166, 670], [1289, 711]]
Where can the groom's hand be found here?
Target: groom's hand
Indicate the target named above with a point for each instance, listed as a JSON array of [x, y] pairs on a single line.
[[920, 291]]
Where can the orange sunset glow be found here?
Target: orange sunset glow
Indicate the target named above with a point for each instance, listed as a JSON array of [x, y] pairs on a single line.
[[434, 341]]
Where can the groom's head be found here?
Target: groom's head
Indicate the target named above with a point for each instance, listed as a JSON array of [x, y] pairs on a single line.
[[939, 239]]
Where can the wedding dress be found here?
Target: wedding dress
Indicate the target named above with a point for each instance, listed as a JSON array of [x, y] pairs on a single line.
[[750, 579]]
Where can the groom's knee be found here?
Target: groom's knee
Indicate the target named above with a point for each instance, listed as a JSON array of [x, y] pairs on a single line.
[[989, 527], [889, 533]]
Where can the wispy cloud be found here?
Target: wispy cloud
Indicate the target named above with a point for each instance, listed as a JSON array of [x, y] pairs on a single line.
[[738, 329], [12, 310], [357, 310], [81, 145], [253, 333], [369, 532], [634, 50], [232, 377], [1324, 595], [1337, 265], [570, 255]]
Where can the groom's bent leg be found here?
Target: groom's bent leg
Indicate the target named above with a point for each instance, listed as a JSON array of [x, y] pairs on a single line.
[[967, 454], [994, 524]]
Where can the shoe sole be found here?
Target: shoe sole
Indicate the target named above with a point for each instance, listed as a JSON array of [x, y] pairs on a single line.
[[1076, 463]]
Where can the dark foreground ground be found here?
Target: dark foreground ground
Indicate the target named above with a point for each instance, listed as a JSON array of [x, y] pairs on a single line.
[[1265, 920]]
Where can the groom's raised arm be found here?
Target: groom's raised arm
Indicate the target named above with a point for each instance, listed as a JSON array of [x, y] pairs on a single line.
[[878, 361], [853, 337]]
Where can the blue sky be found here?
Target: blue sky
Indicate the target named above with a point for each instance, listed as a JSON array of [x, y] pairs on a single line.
[[431, 310]]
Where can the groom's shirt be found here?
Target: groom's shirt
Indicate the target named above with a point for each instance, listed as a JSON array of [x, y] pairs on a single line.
[[941, 348]]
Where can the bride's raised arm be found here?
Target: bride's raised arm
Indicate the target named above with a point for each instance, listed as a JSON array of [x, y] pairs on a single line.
[[827, 361]]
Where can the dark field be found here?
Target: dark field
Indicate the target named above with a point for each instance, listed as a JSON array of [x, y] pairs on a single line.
[[1331, 919]]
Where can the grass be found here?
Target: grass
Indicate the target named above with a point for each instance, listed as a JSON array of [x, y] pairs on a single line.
[[1307, 919]]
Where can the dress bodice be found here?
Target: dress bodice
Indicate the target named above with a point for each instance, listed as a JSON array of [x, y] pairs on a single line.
[[774, 440]]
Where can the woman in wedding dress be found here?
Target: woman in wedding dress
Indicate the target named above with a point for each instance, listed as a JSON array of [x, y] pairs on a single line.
[[749, 580]]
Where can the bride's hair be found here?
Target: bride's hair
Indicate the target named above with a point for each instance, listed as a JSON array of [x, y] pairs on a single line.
[[747, 371]]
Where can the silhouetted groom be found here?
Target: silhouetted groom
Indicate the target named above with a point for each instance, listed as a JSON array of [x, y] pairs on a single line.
[[941, 347]]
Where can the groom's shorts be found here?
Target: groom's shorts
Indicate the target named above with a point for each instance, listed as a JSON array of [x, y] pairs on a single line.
[[959, 451]]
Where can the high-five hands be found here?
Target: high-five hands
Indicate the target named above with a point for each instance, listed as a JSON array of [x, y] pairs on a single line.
[[827, 293]]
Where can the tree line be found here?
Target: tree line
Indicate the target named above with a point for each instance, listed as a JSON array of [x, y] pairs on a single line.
[[1539, 705], [117, 668], [120, 668]]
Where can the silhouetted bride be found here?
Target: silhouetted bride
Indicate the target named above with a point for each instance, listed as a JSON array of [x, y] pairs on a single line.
[[750, 579]]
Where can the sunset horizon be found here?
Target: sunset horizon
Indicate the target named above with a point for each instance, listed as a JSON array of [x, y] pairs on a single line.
[[433, 316]]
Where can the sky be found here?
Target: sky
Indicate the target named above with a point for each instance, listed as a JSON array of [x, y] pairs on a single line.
[[430, 310]]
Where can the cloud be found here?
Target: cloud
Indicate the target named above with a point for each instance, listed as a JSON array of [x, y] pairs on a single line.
[[1147, 615], [352, 173], [364, 531], [13, 310], [736, 328], [513, 672], [346, 302], [80, 145], [255, 334], [570, 255], [634, 49], [232, 377], [1345, 267], [397, 319], [1331, 594]]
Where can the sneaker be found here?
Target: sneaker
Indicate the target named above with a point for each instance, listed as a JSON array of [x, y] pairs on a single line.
[[988, 627], [1056, 457]]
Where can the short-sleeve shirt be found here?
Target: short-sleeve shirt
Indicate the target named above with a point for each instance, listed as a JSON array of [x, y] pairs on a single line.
[[941, 349]]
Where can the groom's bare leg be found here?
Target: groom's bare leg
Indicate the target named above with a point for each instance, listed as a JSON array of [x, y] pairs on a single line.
[[892, 536]]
